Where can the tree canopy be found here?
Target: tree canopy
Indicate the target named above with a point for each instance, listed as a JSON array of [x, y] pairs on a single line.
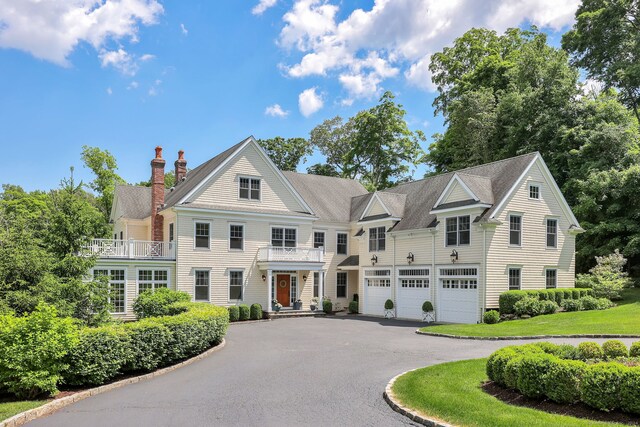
[[286, 153]]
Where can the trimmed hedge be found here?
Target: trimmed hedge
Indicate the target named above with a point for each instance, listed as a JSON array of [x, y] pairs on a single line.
[[533, 306], [589, 350], [508, 300], [562, 381], [600, 385], [634, 350], [613, 349], [245, 312], [256, 311], [159, 303], [630, 390], [327, 306]]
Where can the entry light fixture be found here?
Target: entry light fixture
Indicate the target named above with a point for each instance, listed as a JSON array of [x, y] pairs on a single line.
[[264, 278], [454, 256], [304, 278], [410, 258], [374, 259]]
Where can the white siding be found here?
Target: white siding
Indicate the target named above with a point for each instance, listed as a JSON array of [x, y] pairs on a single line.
[[456, 193]]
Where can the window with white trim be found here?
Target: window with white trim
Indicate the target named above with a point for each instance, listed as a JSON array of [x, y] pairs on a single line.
[[235, 285], [283, 237], [515, 230], [515, 279], [552, 233], [377, 239], [236, 237], [202, 235], [534, 191], [171, 232], [342, 240], [341, 284], [458, 230], [318, 240], [202, 283], [150, 280], [294, 287], [316, 283], [551, 278], [117, 285], [249, 188]]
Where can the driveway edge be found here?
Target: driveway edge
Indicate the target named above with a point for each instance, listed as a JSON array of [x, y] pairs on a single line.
[[412, 415], [526, 337], [51, 407]]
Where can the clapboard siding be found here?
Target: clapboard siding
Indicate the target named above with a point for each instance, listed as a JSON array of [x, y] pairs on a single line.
[[456, 194]]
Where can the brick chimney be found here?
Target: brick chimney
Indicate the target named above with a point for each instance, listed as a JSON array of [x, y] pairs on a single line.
[[157, 196], [181, 167]]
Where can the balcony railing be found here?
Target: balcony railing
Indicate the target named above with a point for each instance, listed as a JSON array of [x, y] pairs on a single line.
[[271, 253], [133, 249]]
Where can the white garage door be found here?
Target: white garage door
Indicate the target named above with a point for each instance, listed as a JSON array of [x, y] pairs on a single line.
[[377, 289], [457, 295], [413, 290]]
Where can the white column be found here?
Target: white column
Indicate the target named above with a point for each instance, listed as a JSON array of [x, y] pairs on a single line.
[[269, 290], [320, 289]]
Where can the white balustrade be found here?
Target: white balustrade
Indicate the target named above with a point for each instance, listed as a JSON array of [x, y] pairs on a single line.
[[133, 249], [272, 253]]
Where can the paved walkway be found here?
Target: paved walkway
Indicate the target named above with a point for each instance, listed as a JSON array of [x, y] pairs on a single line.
[[312, 371]]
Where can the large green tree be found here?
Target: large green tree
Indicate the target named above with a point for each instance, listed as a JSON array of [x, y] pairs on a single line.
[[334, 138], [103, 165], [286, 153], [605, 40]]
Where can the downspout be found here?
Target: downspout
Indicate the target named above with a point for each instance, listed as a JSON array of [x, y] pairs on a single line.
[[393, 276], [484, 271], [434, 286]]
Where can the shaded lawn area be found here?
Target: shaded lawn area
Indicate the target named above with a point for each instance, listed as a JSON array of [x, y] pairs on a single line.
[[452, 392], [9, 409], [623, 319]]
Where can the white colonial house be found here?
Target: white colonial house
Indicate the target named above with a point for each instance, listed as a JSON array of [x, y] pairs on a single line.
[[236, 230]]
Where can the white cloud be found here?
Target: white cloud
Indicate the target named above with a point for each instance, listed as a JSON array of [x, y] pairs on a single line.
[[109, 91], [52, 29], [275, 110], [133, 85], [154, 90], [366, 47], [261, 7], [309, 101], [184, 30], [147, 57]]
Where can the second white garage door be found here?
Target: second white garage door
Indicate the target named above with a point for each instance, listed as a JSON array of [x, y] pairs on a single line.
[[413, 290], [377, 289], [458, 294]]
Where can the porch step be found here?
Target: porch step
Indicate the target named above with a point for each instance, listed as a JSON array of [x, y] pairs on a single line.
[[295, 313]]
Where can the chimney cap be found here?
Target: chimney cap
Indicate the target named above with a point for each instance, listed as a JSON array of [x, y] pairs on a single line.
[[181, 155], [158, 152]]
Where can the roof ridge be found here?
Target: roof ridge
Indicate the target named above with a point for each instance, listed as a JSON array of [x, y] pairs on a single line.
[[323, 176], [133, 185]]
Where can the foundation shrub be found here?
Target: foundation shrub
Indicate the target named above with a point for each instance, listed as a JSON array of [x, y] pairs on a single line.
[[491, 317], [256, 311], [634, 350], [245, 312], [234, 313], [160, 302], [590, 350], [353, 307]]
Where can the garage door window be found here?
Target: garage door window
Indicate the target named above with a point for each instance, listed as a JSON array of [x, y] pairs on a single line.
[[414, 278], [459, 278], [378, 278]]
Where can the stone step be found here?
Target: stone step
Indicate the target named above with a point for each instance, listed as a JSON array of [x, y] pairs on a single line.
[[294, 313]]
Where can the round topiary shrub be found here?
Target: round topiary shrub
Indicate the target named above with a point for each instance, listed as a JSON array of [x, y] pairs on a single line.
[[245, 312], [590, 350], [548, 347], [630, 390], [234, 313], [614, 348], [634, 351], [531, 369], [572, 305], [491, 317], [353, 307], [508, 301], [327, 306], [256, 311], [388, 305], [427, 306], [600, 385], [562, 380]]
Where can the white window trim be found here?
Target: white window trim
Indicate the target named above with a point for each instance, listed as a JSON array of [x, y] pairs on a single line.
[[244, 232], [457, 231], [346, 286], [195, 276], [314, 284], [427, 276], [534, 184], [557, 220], [313, 243], [249, 177], [377, 239], [168, 270], [521, 216], [126, 283], [554, 268], [173, 225], [201, 221], [237, 270], [283, 227], [514, 267], [347, 249]]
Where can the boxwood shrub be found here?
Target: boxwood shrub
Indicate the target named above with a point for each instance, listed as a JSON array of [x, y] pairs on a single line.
[[327, 306], [149, 341], [491, 317], [562, 380], [590, 350], [634, 350], [234, 313], [630, 390], [256, 311], [353, 307], [572, 305], [509, 299], [245, 312], [158, 303], [600, 385], [613, 349]]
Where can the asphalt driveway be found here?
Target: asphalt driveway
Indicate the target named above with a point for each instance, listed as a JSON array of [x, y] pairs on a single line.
[[312, 371]]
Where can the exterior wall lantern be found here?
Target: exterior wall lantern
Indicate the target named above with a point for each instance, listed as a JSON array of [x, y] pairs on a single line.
[[304, 277], [264, 278], [454, 256], [410, 258], [374, 259]]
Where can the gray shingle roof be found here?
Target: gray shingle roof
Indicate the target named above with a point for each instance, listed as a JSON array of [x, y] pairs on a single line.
[[481, 186], [350, 261], [134, 201], [328, 197], [394, 202]]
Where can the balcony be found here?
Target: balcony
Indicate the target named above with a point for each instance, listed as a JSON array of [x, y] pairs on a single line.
[[131, 249], [290, 255]]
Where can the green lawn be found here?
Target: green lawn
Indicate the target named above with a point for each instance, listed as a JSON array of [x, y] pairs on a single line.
[[623, 319], [451, 392], [9, 409]]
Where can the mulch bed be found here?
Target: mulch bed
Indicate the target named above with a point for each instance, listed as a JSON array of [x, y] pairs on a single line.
[[577, 410]]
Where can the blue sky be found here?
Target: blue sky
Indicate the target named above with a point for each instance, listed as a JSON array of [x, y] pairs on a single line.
[[200, 76]]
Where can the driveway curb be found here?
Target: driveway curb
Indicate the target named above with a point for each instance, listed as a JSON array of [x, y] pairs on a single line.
[[51, 407], [412, 415], [527, 337]]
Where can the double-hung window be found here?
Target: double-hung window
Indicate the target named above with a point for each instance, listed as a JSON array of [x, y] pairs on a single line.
[[318, 240], [341, 284], [458, 230], [202, 285], [341, 243], [316, 283], [235, 285], [283, 237], [551, 278], [534, 191], [552, 233], [150, 280], [249, 188], [377, 239], [515, 279], [171, 232], [117, 284], [515, 230], [202, 235], [236, 237]]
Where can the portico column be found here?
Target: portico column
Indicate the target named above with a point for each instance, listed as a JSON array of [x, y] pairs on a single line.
[[269, 289], [320, 289]]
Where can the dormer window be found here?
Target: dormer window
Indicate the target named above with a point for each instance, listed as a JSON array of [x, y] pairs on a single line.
[[249, 188], [534, 191], [458, 231]]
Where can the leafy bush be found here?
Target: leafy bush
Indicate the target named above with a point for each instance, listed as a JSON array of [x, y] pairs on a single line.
[[572, 305], [548, 307], [149, 341], [33, 350], [562, 380], [327, 306], [575, 293], [544, 295], [607, 279], [558, 295], [98, 356], [245, 312], [427, 306], [491, 317], [234, 313], [614, 348], [158, 303], [497, 363], [531, 369], [604, 303], [634, 350], [256, 311], [548, 347], [388, 305], [508, 300], [568, 352], [590, 350], [528, 306], [353, 307], [589, 303], [600, 385], [186, 337], [630, 390]]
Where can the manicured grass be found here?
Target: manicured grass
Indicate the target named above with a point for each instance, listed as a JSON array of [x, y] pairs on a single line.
[[9, 409], [622, 319], [451, 392]]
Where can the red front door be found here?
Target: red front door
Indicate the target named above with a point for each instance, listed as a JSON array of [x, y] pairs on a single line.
[[283, 293]]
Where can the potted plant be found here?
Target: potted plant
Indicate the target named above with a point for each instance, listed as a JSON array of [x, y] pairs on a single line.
[[427, 312], [314, 304], [297, 304], [275, 305], [388, 309]]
